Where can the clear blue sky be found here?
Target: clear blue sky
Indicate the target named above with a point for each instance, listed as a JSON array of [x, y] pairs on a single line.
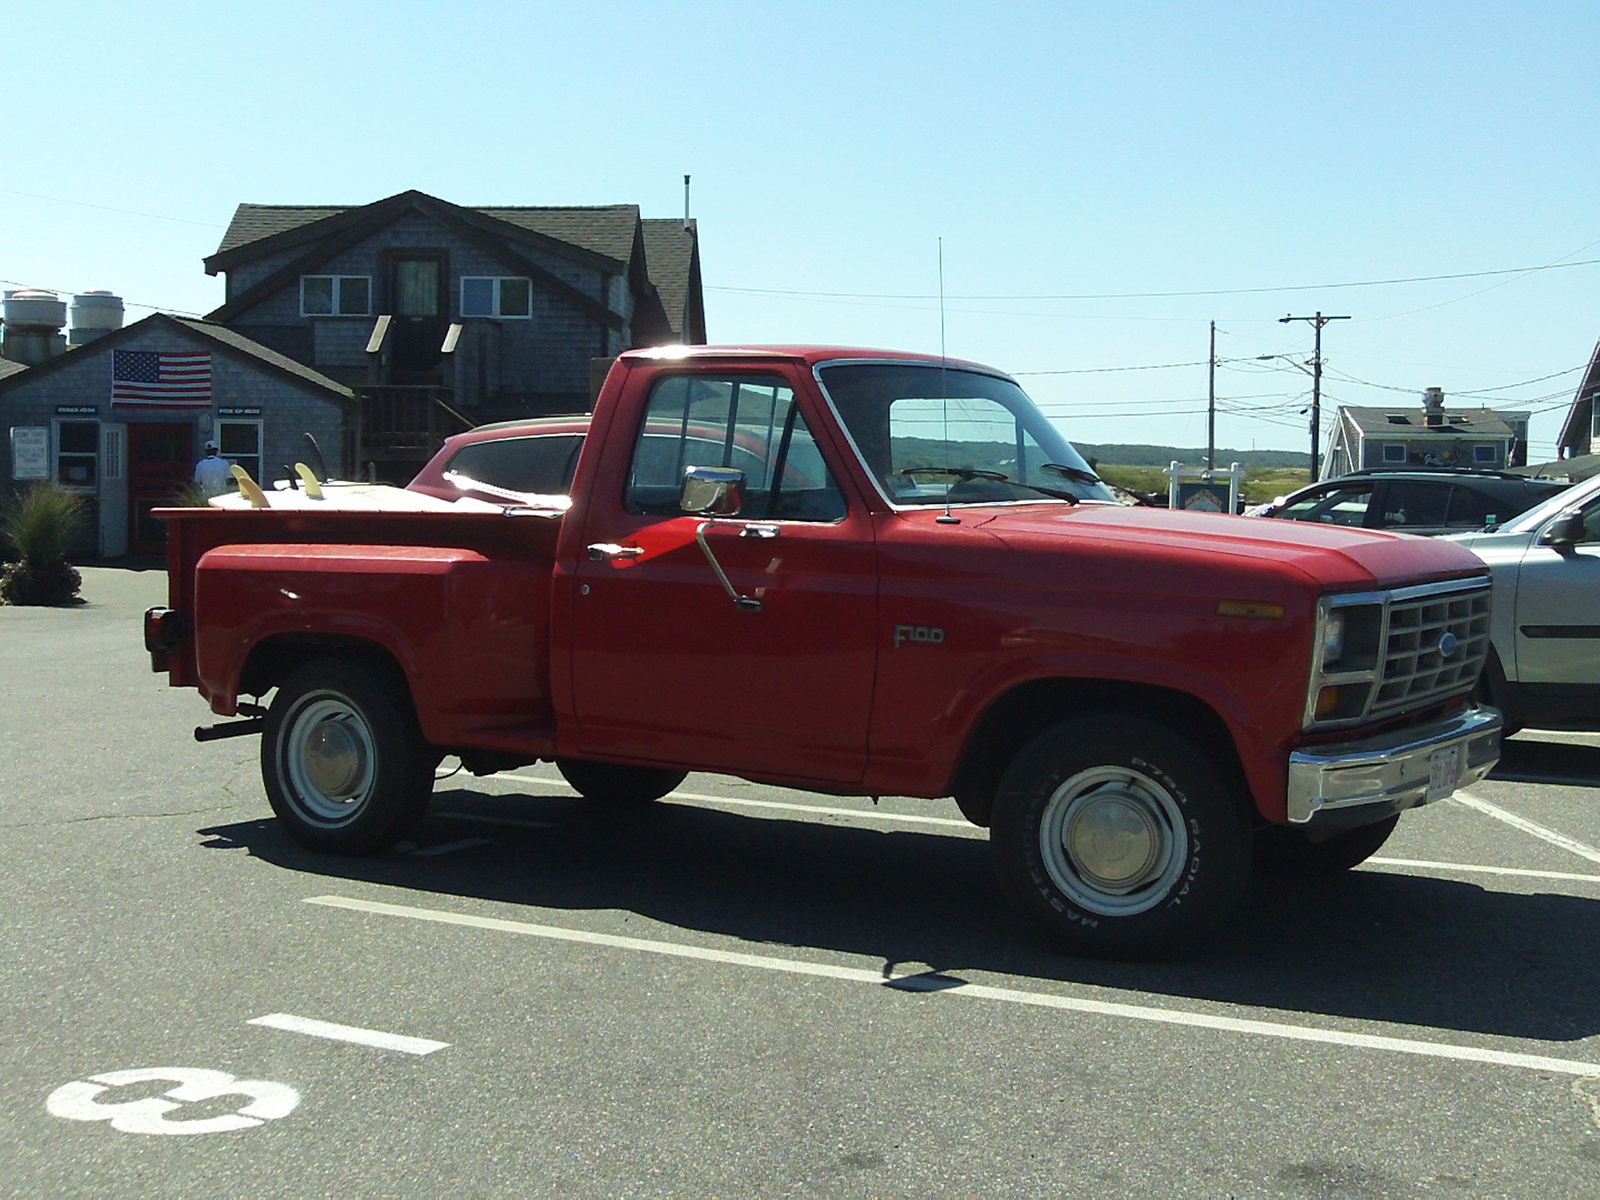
[[1058, 150]]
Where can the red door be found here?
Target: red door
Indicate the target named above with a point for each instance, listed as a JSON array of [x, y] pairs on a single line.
[[160, 461], [666, 665]]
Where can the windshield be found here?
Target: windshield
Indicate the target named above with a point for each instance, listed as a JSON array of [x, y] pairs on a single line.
[[937, 435], [1560, 502]]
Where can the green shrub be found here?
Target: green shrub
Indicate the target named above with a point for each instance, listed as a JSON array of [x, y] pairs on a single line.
[[38, 524]]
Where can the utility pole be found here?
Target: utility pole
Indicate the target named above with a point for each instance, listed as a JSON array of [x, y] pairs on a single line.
[[1211, 405], [1317, 322]]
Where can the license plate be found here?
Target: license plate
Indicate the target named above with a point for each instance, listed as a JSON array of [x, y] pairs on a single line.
[[1444, 772]]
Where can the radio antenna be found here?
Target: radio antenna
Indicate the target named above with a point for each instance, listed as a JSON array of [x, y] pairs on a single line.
[[944, 395]]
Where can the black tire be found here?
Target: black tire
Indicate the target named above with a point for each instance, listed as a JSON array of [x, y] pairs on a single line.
[[345, 766], [1119, 837], [618, 783], [1282, 850]]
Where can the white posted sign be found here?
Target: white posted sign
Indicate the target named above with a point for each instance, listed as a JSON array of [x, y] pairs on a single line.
[[30, 452]]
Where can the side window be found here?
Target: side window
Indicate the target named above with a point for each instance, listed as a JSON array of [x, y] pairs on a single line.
[[77, 453], [1341, 506], [1470, 510], [540, 465], [750, 423], [1415, 505], [240, 443]]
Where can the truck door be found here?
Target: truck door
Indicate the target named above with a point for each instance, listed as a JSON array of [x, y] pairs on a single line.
[[668, 665]]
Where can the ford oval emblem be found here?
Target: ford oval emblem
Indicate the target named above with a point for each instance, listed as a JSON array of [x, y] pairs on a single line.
[[1449, 643]]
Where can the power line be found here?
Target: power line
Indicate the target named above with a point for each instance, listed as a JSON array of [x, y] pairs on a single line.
[[1248, 291], [108, 208], [182, 312]]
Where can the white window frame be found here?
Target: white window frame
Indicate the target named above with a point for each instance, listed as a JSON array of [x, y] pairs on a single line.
[[1485, 452], [1390, 457], [93, 456], [497, 281], [338, 285]]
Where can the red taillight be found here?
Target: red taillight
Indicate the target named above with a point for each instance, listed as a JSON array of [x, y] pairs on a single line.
[[164, 632]]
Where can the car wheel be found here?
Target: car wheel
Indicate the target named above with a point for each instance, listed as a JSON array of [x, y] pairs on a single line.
[[1119, 836], [618, 783], [345, 766], [1281, 850]]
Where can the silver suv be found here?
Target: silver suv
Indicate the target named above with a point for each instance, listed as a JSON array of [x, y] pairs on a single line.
[[1544, 668]]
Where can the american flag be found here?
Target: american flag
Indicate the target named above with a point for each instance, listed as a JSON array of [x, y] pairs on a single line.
[[150, 379]]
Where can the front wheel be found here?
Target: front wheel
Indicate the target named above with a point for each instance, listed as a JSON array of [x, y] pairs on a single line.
[[345, 767], [618, 783], [1119, 836]]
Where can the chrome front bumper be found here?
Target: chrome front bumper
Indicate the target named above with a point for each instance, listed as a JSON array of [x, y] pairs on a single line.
[[1393, 772]]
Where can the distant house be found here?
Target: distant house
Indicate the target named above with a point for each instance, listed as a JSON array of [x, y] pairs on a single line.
[[440, 316], [122, 420], [1375, 439]]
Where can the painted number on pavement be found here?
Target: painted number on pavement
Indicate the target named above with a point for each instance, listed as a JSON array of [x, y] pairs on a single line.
[[80, 1101]]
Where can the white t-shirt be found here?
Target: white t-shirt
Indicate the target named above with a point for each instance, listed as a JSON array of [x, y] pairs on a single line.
[[213, 474]]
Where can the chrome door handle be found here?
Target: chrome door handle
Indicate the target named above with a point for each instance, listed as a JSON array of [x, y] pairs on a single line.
[[607, 551], [762, 530]]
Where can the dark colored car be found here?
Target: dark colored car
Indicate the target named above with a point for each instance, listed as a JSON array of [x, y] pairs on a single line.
[[534, 456], [1425, 502]]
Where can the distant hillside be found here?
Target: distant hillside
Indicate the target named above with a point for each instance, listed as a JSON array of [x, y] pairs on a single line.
[[1161, 456]]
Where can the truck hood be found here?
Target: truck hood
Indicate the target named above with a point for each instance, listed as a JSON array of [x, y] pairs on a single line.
[[1334, 557]]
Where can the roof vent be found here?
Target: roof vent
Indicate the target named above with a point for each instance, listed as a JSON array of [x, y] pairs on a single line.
[[94, 314], [33, 321]]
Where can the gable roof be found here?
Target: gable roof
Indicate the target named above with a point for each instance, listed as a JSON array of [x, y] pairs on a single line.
[[321, 239], [257, 230], [672, 258], [1411, 422], [1575, 430], [234, 344], [9, 368]]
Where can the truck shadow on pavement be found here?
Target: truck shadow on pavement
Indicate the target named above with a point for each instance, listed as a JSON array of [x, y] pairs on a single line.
[[1524, 760], [1369, 945]]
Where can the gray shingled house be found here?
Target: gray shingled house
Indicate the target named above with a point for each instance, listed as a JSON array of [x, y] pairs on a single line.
[[1404, 438], [440, 316], [122, 420]]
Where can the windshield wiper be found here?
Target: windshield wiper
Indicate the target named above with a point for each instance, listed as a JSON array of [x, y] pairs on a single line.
[[967, 474], [1077, 473]]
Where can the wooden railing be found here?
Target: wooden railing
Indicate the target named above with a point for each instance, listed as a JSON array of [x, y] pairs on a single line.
[[400, 423]]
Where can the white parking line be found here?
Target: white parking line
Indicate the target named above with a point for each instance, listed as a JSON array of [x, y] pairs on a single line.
[[740, 802], [1527, 826], [348, 1033], [955, 987], [1425, 865]]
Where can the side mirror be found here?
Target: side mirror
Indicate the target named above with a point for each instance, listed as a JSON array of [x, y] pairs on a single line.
[[712, 491], [1564, 532]]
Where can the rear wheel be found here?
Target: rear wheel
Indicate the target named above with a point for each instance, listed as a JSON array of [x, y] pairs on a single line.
[[1281, 850], [618, 783], [345, 767], [1119, 836]]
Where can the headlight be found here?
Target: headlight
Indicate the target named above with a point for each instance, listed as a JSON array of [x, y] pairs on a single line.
[[1333, 639]]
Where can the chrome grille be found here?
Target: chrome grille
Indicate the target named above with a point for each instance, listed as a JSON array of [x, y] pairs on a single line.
[[1415, 673]]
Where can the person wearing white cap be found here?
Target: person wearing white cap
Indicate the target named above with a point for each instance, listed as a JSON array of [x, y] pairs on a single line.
[[213, 472]]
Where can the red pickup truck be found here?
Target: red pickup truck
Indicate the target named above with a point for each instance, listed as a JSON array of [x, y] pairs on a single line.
[[855, 572]]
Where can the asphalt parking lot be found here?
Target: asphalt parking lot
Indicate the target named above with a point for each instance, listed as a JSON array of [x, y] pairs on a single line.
[[743, 991]]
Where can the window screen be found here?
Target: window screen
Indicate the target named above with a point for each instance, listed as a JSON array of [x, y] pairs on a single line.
[[750, 423]]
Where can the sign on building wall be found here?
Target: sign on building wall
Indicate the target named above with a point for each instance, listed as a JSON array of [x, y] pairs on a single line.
[[30, 452]]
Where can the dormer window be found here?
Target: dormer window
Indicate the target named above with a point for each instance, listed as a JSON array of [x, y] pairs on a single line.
[[335, 295], [508, 296]]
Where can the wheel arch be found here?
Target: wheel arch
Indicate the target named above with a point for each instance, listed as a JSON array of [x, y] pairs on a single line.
[[273, 659], [1017, 715]]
